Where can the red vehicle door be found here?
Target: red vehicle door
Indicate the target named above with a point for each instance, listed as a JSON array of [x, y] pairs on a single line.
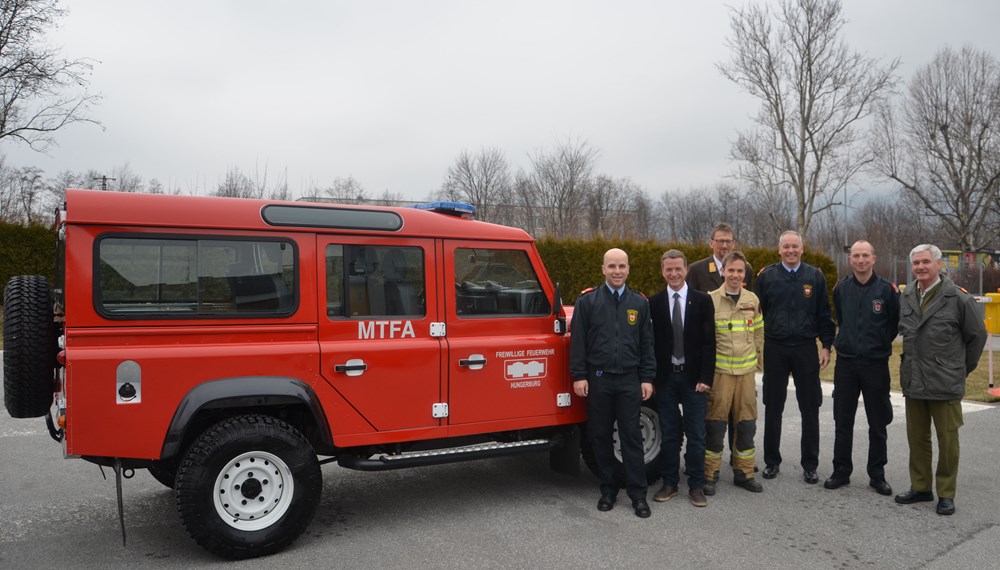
[[375, 328], [504, 360]]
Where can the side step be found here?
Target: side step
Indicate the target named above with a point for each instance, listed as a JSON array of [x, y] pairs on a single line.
[[384, 462]]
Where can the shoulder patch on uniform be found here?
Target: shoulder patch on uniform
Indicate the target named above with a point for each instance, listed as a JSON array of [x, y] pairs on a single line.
[[894, 288], [643, 295], [964, 290], [762, 269], [587, 290]]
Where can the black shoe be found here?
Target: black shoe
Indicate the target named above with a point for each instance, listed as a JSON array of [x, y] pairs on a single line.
[[810, 476], [946, 506], [837, 480], [641, 508], [709, 488], [880, 486], [606, 503], [715, 476], [771, 471], [749, 483], [911, 496]]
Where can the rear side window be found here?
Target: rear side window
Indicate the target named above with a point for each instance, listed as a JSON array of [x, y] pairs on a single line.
[[142, 277], [497, 282], [374, 281]]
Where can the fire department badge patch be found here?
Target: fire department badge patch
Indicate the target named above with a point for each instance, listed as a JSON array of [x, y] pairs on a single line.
[[633, 316], [877, 305], [807, 290]]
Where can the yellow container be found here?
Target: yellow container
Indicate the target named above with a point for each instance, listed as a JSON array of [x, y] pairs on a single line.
[[993, 313]]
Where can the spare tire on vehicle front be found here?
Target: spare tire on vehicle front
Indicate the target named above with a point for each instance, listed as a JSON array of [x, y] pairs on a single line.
[[29, 347]]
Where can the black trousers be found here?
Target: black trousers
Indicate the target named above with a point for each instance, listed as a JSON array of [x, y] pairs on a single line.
[[802, 362], [616, 397], [870, 379]]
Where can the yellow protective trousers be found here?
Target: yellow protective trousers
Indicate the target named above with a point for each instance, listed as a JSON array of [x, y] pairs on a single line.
[[736, 393]]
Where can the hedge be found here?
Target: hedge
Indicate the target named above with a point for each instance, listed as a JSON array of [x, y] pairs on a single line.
[[26, 250]]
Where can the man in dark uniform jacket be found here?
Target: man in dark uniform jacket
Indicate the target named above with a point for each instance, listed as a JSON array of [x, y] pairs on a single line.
[[684, 333], [793, 298], [867, 309], [706, 274], [613, 366]]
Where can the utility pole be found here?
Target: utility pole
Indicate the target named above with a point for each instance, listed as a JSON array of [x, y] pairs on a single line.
[[104, 181]]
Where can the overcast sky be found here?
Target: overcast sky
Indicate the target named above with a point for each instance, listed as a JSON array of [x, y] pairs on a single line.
[[389, 92]]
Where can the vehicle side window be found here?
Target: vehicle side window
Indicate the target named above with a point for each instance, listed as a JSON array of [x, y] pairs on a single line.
[[497, 282], [139, 277], [374, 281]]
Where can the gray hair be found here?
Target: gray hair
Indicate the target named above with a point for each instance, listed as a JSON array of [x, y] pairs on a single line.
[[673, 254], [934, 250], [791, 233]]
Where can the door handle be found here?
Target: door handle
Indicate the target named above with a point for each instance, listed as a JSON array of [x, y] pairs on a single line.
[[473, 362], [353, 367]]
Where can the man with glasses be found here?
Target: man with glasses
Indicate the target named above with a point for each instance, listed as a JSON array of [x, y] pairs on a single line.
[[706, 274]]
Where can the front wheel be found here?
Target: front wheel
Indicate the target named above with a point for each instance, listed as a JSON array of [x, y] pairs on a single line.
[[248, 487], [652, 439]]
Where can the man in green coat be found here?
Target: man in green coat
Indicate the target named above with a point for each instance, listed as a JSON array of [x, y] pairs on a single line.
[[943, 337]]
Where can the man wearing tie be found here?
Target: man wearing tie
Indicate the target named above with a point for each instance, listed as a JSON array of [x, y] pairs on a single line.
[[684, 341]]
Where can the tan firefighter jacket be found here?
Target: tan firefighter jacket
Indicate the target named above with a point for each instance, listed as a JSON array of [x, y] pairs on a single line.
[[739, 332]]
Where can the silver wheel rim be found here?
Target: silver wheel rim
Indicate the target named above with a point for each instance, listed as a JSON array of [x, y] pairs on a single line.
[[652, 438], [253, 491]]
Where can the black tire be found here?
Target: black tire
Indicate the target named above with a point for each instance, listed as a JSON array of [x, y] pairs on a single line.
[[29, 347], [165, 471], [229, 460], [652, 438]]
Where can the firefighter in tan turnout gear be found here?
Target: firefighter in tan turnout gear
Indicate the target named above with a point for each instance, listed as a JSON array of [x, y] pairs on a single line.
[[739, 334]]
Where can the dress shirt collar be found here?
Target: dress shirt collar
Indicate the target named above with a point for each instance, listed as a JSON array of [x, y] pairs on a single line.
[[683, 292], [616, 292], [791, 269]]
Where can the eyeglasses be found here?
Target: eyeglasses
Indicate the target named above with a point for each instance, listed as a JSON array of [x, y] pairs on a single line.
[[724, 241]]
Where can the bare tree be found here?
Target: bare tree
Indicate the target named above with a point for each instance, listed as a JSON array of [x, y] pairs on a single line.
[[482, 180], [239, 185], [346, 190], [813, 94], [559, 182], [40, 92], [892, 225], [945, 149], [609, 203], [126, 180], [387, 198], [22, 195]]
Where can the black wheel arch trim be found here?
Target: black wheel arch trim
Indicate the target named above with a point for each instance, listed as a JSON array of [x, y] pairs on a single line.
[[243, 392]]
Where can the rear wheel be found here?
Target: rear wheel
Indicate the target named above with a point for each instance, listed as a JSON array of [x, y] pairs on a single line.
[[652, 439], [29, 347], [248, 487]]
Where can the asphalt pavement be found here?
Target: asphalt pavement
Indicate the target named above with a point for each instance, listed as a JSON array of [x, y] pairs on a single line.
[[515, 513]]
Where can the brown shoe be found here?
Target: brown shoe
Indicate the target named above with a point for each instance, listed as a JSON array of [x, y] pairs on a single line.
[[665, 493], [697, 497]]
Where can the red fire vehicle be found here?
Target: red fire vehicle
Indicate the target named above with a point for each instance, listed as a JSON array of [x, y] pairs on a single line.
[[227, 345]]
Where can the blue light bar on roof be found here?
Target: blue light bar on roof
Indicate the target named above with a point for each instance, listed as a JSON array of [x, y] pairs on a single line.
[[450, 208]]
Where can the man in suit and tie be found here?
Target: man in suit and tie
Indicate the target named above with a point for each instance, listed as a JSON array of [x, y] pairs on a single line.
[[684, 344], [706, 274]]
